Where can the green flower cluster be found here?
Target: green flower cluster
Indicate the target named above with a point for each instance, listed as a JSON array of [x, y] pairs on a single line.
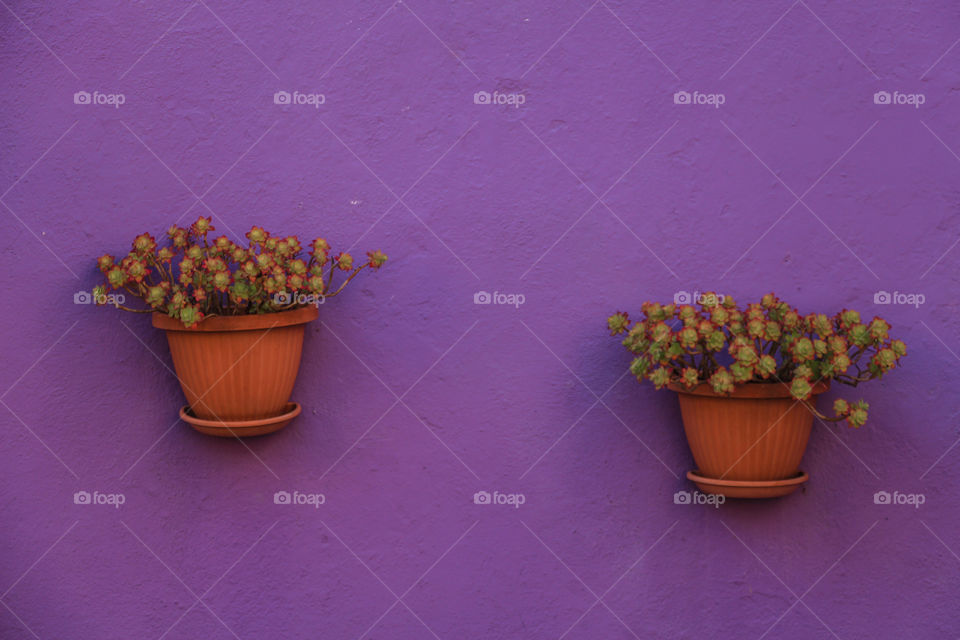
[[718, 344], [195, 276]]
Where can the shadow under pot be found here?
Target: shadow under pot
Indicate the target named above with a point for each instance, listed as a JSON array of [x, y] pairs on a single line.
[[237, 372], [748, 444]]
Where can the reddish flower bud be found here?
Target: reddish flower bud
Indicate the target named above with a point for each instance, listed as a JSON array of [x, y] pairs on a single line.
[[377, 258], [344, 261], [618, 323]]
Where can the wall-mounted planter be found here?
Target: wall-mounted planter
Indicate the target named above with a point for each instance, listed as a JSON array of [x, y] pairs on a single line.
[[237, 372], [748, 444]]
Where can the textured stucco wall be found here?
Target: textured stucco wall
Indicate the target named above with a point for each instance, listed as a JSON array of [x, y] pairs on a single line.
[[595, 194]]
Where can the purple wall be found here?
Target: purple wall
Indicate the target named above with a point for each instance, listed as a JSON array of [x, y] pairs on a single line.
[[595, 194]]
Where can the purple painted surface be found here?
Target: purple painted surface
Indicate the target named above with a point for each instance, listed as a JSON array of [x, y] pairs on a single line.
[[595, 194]]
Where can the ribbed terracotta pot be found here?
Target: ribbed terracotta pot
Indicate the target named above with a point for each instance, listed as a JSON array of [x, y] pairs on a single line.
[[748, 444], [238, 368]]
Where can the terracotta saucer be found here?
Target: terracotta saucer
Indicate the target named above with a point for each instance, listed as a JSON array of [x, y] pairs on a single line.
[[748, 488], [241, 428]]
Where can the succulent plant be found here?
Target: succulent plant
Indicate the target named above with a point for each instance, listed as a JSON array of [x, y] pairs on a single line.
[[720, 345], [195, 277]]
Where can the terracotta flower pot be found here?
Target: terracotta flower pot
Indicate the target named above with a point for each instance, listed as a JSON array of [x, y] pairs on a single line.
[[235, 369], [748, 444]]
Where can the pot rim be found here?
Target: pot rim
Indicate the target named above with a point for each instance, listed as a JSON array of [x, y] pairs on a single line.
[[748, 390], [251, 322]]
